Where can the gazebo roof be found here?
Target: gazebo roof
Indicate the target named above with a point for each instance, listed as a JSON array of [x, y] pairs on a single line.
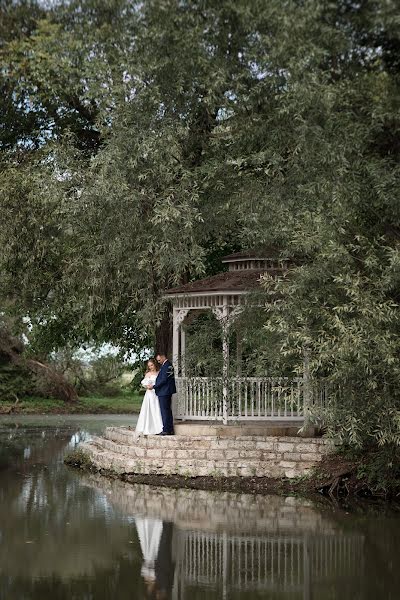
[[253, 264], [230, 281]]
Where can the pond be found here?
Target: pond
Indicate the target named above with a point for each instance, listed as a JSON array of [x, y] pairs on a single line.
[[70, 535]]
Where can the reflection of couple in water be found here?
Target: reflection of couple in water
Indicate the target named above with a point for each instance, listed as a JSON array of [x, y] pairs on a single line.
[[158, 567]]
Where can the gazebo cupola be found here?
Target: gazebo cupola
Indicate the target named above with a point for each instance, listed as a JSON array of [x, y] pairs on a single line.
[[255, 261]]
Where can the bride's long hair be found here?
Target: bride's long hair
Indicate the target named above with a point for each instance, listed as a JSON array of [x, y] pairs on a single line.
[[154, 363]]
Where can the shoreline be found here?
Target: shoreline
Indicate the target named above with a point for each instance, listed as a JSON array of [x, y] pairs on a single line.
[[81, 410], [335, 478]]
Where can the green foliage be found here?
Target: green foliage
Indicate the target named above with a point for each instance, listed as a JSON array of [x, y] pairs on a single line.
[[378, 468], [204, 346], [96, 374], [15, 379], [15, 382], [125, 402], [342, 306], [107, 368], [253, 350], [139, 368]]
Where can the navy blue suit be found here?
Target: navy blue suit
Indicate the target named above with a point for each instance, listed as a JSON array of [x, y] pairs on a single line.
[[164, 387]]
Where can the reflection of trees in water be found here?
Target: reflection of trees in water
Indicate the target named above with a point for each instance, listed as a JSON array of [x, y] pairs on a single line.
[[117, 580], [38, 488], [23, 447], [72, 530]]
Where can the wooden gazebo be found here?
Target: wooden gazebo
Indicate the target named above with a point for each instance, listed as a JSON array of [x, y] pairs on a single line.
[[231, 398]]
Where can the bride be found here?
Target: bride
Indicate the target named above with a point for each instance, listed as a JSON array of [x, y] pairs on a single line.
[[150, 421]]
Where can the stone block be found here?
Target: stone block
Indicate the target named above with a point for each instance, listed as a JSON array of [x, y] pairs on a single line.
[[244, 471], [294, 456], [308, 446], [203, 471], [231, 454], [287, 464], [205, 444], [140, 452], [221, 443], [290, 473], [250, 454], [154, 452], [169, 454], [269, 456], [250, 444], [190, 454], [222, 464], [312, 456], [285, 447], [265, 445], [216, 454]]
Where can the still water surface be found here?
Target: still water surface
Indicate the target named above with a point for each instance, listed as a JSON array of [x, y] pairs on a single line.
[[73, 536]]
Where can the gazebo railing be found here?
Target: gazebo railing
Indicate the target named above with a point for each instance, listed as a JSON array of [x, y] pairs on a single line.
[[246, 398]]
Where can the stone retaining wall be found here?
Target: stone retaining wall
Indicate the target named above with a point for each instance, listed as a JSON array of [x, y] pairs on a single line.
[[246, 456]]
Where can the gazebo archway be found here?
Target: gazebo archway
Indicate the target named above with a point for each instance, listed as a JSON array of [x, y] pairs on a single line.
[[231, 398]]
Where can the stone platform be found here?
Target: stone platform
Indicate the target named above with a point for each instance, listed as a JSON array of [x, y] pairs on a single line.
[[239, 429], [121, 451]]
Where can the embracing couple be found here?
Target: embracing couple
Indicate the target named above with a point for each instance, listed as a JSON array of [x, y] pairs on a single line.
[[156, 414]]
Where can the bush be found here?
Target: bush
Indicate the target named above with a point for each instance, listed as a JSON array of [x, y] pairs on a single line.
[[15, 382], [98, 376]]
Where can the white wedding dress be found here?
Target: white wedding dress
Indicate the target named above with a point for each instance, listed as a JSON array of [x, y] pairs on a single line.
[[149, 421]]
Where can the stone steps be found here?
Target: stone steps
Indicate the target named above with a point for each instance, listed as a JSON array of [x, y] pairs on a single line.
[[121, 451], [121, 435], [192, 467], [274, 428], [260, 450]]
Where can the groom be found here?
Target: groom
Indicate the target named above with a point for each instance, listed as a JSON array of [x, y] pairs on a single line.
[[164, 387]]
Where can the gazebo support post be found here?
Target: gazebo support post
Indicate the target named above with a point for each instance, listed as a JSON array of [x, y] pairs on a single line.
[[307, 392], [239, 349], [183, 350], [225, 359], [175, 353], [175, 341], [225, 372], [223, 316]]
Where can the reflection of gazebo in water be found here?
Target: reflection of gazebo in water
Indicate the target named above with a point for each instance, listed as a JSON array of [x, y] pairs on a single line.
[[305, 564], [225, 545], [226, 397]]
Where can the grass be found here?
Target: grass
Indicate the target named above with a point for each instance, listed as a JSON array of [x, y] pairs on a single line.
[[125, 402]]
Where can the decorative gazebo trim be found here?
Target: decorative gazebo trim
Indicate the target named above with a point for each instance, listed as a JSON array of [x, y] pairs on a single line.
[[230, 398]]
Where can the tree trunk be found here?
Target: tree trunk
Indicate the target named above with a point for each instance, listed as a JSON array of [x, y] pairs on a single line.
[[164, 334]]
